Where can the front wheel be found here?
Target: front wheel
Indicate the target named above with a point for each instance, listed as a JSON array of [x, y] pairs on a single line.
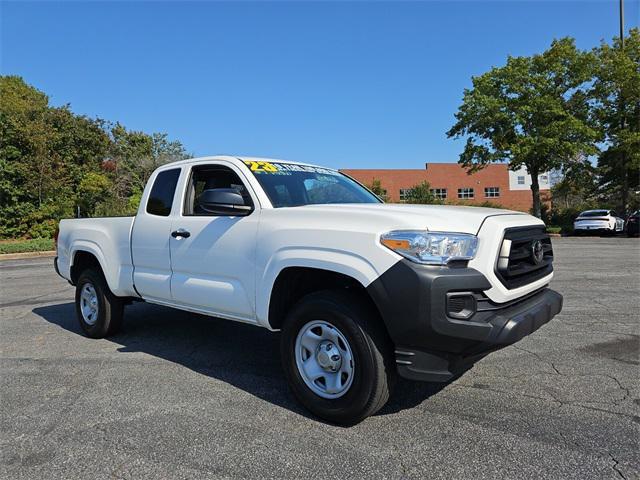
[[337, 357], [98, 310]]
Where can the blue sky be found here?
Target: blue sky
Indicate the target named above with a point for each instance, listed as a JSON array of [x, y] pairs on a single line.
[[360, 84]]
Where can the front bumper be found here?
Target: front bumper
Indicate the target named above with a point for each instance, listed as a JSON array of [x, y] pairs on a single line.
[[507, 326], [430, 345]]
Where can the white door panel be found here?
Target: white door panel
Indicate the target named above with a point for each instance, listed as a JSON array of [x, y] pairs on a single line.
[[230, 296], [150, 237], [213, 269], [150, 248]]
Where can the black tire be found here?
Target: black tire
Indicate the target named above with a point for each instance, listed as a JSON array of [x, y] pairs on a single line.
[[374, 370], [110, 308]]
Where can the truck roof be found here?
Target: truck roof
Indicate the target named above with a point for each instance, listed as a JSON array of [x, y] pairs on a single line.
[[233, 158]]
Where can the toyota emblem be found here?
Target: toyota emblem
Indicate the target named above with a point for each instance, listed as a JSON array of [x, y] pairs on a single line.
[[537, 251]]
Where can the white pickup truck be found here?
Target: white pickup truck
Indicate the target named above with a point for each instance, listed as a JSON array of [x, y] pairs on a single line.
[[361, 290]]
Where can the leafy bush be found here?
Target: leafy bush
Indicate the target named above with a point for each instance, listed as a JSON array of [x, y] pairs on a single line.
[[564, 217], [377, 188], [488, 204], [115, 207], [468, 203], [421, 194], [43, 230], [134, 201]]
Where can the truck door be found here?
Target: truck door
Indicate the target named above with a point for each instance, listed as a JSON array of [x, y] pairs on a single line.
[[150, 238], [213, 253]]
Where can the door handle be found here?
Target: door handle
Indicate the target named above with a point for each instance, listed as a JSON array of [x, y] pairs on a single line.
[[180, 233]]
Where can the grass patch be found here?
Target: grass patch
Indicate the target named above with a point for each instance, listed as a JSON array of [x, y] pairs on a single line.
[[553, 229], [27, 245]]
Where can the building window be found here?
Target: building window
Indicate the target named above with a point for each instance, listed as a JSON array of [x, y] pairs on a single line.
[[404, 194], [521, 180], [440, 193], [544, 178], [465, 193], [491, 192]]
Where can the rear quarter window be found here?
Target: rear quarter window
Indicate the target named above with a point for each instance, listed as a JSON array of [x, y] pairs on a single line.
[[162, 192]]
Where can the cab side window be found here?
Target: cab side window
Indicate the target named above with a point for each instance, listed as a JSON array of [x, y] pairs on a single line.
[[162, 192], [209, 177]]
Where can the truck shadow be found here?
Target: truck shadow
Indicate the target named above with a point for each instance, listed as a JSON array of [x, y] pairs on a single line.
[[241, 355]]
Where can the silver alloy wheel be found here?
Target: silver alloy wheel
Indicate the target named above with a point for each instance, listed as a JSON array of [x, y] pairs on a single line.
[[324, 359], [89, 304]]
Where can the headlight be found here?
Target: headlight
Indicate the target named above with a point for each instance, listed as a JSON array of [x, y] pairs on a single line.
[[431, 248]]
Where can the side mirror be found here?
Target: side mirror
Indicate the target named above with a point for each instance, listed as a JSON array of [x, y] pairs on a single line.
[[223, 201]]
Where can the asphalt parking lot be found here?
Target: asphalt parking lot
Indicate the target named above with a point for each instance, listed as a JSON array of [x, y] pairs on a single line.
[[177, 395]]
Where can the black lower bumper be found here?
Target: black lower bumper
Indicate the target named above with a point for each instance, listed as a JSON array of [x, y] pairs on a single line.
[[507, 326], [430, 345]]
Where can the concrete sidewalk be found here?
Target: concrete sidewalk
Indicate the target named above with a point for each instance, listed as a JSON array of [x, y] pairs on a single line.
[[18, 256]]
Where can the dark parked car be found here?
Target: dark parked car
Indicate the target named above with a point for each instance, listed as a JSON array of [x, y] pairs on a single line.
[[633, 224]]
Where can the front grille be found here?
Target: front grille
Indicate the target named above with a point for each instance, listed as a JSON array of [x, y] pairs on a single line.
[[522, 260]]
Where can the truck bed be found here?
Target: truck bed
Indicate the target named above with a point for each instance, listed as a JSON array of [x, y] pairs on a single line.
[[109, 239]]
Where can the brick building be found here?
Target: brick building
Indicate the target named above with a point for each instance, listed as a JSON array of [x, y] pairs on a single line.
[[451, 182]]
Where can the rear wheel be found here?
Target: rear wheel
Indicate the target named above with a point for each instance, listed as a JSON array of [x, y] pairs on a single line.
[[336, 356], [98, 310]]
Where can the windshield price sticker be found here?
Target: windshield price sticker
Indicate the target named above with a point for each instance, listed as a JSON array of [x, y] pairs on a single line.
[[286, 168], [261, 166]]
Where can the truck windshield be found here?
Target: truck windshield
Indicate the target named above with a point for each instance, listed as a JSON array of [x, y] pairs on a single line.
[[293, 185]]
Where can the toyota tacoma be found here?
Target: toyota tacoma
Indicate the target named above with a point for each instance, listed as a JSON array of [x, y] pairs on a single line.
[[361, 291]]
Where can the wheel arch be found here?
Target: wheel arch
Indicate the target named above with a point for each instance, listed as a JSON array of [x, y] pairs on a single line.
[[84, 257], [294, 282]]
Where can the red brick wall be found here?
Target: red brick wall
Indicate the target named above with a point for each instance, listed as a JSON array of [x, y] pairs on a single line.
[[450, 176]]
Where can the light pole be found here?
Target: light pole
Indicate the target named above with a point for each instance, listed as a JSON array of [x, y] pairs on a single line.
[[625, 177], [622, 24]]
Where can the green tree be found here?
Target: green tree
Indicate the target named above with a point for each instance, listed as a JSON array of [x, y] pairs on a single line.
[[577, 185], [23, 146], [533, 112], [421, 193], [93, 189], [52, 161], [135, 155], [616, 109], [377, 188]]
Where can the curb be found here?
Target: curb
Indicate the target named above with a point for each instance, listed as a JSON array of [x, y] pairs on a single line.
[[18, 256]]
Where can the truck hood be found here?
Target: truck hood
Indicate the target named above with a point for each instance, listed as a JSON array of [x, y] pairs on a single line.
[[445, 218]]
